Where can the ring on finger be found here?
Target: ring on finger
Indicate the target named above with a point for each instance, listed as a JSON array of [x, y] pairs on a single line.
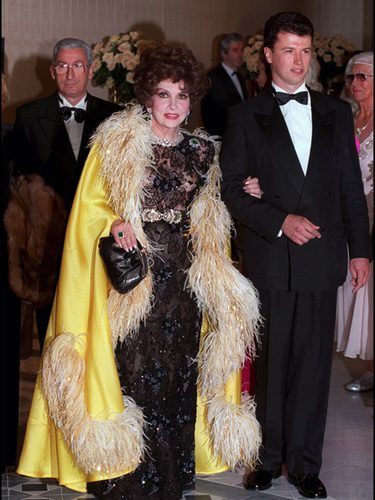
[[120, 234]]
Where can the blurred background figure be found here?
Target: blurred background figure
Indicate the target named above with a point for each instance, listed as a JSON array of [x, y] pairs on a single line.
[[354, 323], [312, 77], [10, 309], [263, 76], [228, 86]]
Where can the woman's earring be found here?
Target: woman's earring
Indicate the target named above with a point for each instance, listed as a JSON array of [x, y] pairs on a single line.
[[149, 114], [186, 118]]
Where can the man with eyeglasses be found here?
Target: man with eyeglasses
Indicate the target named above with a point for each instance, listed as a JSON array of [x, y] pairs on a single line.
[[51, 140]]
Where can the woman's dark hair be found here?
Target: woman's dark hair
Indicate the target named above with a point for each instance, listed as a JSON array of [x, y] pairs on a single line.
[[286, 22], [166, 62]]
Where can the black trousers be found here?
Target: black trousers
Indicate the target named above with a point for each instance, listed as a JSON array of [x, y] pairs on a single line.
[[292, 377]]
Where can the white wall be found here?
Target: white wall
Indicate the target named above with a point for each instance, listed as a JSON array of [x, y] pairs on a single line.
[[350, 18]]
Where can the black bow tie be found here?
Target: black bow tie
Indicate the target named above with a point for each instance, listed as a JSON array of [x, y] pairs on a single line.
[[283, 98], [79, 114]]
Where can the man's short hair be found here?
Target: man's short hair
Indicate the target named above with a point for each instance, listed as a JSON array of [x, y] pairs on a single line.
[[227, 40], [286, 22], [72, 43]]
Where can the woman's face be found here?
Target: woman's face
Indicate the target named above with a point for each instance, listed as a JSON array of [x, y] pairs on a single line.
[[362, 91], [169, 106]]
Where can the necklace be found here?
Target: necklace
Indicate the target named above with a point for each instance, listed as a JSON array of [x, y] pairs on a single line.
[[163, 141], [359, 130]]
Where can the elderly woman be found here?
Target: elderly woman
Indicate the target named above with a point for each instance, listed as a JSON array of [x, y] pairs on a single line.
[[115, 408], [355, 312]]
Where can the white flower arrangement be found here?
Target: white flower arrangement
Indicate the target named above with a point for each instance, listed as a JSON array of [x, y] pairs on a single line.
[[251, 55], [115, 59], [332, 53]]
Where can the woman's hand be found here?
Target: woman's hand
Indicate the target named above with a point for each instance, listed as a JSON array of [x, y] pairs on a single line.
[[123, 234], [251, 186]]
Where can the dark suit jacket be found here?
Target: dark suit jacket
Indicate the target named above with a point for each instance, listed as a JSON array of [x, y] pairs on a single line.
[[222, 95], [42, 143], [257, 143]]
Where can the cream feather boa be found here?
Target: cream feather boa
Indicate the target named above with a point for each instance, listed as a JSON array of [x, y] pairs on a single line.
[[225, 297]]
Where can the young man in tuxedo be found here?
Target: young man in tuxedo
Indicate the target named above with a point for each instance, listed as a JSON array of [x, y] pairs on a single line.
[[51, 136], [228, 86], [300, 144]]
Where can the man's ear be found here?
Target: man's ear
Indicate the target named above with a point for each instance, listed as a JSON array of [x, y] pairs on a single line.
[[52, 71], [268, 54], [91, 72]]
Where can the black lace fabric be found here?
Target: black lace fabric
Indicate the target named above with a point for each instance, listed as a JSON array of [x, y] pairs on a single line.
[[157, 367]]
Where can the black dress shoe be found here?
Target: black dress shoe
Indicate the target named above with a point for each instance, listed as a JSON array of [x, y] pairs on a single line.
[[309, 485], [260, 479]]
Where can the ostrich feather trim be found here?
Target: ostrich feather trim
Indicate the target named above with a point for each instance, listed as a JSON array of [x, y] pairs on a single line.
[[98, 446], [234, 431], [123, 143], [224, 295]]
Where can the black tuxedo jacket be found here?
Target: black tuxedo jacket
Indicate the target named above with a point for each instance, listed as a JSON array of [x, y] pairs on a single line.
[[222, 95], [42, 143], [257, 143]]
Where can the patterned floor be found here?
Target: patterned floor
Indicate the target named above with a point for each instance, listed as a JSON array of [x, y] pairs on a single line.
[[348, 450]]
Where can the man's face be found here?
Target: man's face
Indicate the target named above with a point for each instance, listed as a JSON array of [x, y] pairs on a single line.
[[72, 84], [234, 55], [290, 60]]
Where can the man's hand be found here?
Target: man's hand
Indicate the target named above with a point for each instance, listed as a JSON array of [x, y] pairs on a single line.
[[299, 229], [359, 269]]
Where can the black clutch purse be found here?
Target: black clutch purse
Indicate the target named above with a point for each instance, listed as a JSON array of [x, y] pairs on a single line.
[[124, 269]]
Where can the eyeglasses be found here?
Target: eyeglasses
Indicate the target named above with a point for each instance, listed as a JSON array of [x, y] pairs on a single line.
[[360, 77], [77, 67]]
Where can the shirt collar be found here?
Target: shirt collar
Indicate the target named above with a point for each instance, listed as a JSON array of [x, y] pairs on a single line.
[[228, 69], [82, 104], [300, 89]]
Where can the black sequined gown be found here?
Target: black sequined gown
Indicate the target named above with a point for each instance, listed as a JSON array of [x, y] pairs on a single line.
[[157, 367]]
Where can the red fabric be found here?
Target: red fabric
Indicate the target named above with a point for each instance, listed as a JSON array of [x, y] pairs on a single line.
[[248, 377]]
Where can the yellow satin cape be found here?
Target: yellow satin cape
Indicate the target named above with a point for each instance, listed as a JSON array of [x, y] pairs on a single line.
[[80, 309]]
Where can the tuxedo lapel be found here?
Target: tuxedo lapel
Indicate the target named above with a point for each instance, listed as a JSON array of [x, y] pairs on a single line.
[[272, 124], [51, 122], [243, 85], [230, 85], [88, 128], [321, 146], [57, 140]]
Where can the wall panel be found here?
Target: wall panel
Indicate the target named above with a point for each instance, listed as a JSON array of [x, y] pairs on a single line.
[[32, 27]]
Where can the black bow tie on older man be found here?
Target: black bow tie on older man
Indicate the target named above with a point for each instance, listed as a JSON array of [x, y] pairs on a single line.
[[79, 113], [282, 97]]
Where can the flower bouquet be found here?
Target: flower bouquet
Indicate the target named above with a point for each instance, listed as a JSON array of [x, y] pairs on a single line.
[[332, 53], [115, 59], [251, 55]]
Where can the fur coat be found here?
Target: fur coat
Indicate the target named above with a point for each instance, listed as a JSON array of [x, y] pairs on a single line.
[[35, 221]]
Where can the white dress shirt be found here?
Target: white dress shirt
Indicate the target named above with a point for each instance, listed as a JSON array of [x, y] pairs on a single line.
[[298, 119], [233, 76], [74, 128]]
